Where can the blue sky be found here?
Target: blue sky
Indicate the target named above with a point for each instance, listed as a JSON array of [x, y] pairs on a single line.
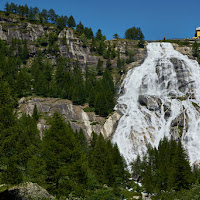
[[157, 18]]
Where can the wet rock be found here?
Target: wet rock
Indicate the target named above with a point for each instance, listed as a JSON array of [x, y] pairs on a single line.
[[151, 102], [182, 73], [175, 133], [178, 121], [167, 110]]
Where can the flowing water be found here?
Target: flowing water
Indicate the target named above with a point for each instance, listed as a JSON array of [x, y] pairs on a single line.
[[160, 98]]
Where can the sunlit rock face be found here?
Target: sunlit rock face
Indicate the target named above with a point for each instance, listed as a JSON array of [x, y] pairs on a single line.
[[160, 98], [79, 119]]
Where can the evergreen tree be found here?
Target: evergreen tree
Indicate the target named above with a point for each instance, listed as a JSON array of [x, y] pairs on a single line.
[[83, 38], [35, 114], [23, 83], [183, 176], [26, 10], [137, 168], [134, 33], [80, 28], [21, 10], [13, 175], [100, 67], [92, 95], [101, 104], [7, 104], [41, 85], [31, 13], [88, 33], [61, 22], [99, 35], [52, 16], [44, 14], [116, 36], [64, 160], [100, 47], [166, 168], [7, 8], [36, 11], [13, 7], [108, 64], [71, 22], [25, 52]]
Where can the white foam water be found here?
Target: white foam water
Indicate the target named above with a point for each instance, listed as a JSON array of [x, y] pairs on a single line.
[[169, 82]]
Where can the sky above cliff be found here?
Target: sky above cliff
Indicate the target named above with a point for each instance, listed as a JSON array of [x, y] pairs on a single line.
[[157, 18]]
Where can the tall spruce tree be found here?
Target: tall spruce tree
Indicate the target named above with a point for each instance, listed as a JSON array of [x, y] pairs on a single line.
[[71, 22], [166, 168], [64, 160]]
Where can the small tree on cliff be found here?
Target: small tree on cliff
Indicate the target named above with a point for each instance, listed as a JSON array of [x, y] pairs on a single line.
[[134, 33], [71, 22]]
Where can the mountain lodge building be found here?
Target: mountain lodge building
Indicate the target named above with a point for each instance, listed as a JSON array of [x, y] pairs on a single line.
[[197, 34]]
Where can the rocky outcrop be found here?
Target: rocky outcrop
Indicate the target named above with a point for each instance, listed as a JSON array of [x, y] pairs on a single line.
[[69, 44], [21, 29], [186, 50], [77, 117], [74, 49], [182, 75], [27, 191], [151, 102]]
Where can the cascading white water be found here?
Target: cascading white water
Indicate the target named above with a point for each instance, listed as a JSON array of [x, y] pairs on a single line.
[[160, 98]]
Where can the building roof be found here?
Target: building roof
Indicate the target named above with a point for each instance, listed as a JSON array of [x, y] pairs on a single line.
[[198, 29]]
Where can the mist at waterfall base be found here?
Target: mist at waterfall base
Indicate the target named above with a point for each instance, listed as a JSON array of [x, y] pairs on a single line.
[[160, 98]]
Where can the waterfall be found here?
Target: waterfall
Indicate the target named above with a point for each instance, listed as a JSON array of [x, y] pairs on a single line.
[[160, 98]]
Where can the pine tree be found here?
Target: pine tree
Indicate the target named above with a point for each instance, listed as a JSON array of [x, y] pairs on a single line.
[[134, 33], [136, 168], [52, 16], [7, 104], [88, 33], [23, 83], [71, 22], [166, 168], [99, 35], [101, 104], [7, 8], [44, 15], [80, 28], [35, 114], [61, 22], [25, 52], [116, 36], [64, 159], [183, 175], [108, 64], [100, 67], [78, 95]]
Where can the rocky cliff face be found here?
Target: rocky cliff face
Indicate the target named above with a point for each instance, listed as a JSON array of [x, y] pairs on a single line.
[[75, 50], [23, 31], [185, 50], [88, 121], [14, 26]]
